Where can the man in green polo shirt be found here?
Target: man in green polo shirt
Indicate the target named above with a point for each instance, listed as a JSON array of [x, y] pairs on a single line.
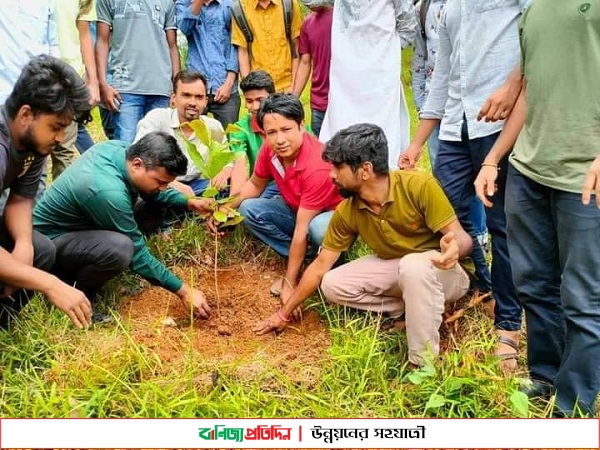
[[408, 222], [88, 213]]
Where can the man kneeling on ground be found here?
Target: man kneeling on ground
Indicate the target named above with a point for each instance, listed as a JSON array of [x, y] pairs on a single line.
[[88, 213], [408, 222]]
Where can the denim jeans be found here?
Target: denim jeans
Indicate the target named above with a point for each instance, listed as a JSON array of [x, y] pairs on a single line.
[[84, 140], [477, 208], [226, 113], [273, 222], [554, 243], [108, 122], [456, 167], [316, 121], [133, 108]]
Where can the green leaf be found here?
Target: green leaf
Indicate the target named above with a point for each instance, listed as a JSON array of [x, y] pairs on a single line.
[[435, 401], [233, 128], [220, 216], [217, 160], [210, 191], [520, 404], [201, 131], [232, 222]]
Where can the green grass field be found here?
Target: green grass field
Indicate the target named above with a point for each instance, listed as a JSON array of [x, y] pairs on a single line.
[[52, 370]]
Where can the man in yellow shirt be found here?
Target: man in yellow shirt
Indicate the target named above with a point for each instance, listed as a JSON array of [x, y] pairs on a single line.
[[408, 222], [270, 49]]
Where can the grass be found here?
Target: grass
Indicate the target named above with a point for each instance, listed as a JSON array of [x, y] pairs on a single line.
[[51, 370]]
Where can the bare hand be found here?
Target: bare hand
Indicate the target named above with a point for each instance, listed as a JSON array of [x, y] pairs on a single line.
[[273, 323], [485, 184], [499, 105], [108, 95], [202, 206], [94, 89], [72, 302], [222, 178], [449, 253], [409, 157], [222, 94], [592, 184], [184, 189], [196, 300]]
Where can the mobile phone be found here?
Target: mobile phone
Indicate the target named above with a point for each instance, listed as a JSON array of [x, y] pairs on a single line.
[[116, 103]]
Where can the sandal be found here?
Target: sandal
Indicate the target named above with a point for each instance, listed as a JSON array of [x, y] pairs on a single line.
[[508, 356]]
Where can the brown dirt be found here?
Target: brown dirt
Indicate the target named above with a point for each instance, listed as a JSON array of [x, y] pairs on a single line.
[[227, 337]]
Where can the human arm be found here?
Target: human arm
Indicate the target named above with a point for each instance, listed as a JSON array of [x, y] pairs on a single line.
[[224, 91], [409, 157], [499, 105], [195, 300], [310, 281], [244, 61], [108, 94], [295, 63], [239, 173], [302, 74], [173, 52], [86, 44], [485, 183], [18, 221], [251, 189], [66, 298], [187, 12], [455, 244]]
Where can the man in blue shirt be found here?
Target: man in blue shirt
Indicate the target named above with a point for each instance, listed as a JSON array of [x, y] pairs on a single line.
[[207, 26]]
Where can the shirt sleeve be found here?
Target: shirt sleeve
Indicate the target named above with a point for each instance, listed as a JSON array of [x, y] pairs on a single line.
[[319, 190], [27, 185], [434, 204], [104, 12], [237, 37], [438, 88], [406, 22], [339, 236], [87, 11], [262, 167], [186, 21], [53, 46], [112, 210], [304, 43], [170, 19], [418, 64], [296, 19]]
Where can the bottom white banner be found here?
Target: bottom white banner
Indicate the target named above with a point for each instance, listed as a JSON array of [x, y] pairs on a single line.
[[300, 433]]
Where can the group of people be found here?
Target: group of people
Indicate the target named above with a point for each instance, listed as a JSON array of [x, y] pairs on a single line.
[[501, 133]]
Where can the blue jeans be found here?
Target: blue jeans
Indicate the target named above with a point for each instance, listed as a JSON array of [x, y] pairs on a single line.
[[84, 140], [225, 113], [132, 110], [271, 190], [456, 167], [273, 222], [108, 122], [316, 121], [554, 243], [477, 208]]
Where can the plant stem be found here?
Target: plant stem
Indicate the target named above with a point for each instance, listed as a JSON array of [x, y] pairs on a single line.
[[215, 274]]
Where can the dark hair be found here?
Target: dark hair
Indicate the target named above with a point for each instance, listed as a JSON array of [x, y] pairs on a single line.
[[287, 105], [258, 80], [189, 76], [358, 144], [159, 149], [50, 86]]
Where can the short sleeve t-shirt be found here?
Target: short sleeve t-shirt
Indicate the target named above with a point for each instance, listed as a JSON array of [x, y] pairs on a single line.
[[306, 184], [68, 12], [409, 221], [139, 53]]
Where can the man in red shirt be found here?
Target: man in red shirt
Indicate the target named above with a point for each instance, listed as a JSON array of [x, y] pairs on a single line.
[[315, 54], [294, 223]]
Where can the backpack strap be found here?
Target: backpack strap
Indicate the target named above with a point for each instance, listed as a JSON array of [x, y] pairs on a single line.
[[239, 16], [288, 15]]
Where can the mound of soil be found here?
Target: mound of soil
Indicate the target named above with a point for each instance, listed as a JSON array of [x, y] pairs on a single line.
[[158, 320]]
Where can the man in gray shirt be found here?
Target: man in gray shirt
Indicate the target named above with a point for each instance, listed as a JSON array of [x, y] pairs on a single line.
[[478, 50], [46, 98], [142, 38]]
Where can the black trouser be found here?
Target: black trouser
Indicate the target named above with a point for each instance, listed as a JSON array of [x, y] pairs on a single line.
[[88, 259], [44, 254]]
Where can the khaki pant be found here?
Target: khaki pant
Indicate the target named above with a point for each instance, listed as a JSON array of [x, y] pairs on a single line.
[[63, 155], [410, 285]]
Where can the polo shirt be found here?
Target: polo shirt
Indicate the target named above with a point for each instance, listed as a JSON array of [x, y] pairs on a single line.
[[270, 48], [306, 183], [96, 193], [167, 121], [409, 221], [19, 171]]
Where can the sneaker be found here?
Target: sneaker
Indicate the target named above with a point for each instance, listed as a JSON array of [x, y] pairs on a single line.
[[538, 389]]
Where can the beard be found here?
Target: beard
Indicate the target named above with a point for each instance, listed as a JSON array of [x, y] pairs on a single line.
[[346, 193], [30, 143]]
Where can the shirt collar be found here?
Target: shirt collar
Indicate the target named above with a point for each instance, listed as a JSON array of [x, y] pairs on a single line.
[[121, 163], [174, 118], [274, 2], [390, 198], [301, 160], [254, 126]]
